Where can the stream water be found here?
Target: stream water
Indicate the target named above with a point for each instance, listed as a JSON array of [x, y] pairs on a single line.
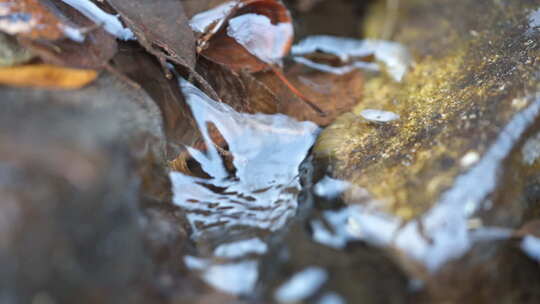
[[236, 208], [235, 212]]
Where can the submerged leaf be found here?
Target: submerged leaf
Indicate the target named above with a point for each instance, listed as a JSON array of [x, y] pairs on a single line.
[[46, 76]]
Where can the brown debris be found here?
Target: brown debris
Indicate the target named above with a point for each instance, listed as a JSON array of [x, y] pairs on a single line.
[[30, 19]]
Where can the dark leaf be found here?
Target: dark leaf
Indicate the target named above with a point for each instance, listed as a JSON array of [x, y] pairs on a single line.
[[145, 70], [334, 94], [160, 26], [193, 7], [257, 33], [94, 52], [241, 91], [162, 29]]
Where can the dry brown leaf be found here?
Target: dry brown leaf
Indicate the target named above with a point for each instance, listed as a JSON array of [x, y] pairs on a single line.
[[30, 19], [46, 76]]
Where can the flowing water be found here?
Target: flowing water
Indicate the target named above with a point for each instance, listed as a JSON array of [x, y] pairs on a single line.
[[253, 194], [238, 207]]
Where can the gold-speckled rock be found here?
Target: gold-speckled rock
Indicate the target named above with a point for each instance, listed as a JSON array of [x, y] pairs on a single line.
[[467, 105]]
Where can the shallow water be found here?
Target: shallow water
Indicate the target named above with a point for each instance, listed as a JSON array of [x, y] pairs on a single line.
[[235, 212], [261, 195]]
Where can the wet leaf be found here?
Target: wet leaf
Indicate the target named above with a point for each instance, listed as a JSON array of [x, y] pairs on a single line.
[[30, 19], [334, 94], [161, 27], [257, 33], [193, 7], [46, 76], [94, 52], [241, 91], [248, 36]]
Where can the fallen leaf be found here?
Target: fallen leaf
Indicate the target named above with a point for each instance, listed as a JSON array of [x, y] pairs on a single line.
[[248, 36], [46, 76], [306, 5], [240, 90], [162, 29], [160, 26], [94, 52], [32, 20], [256, 34], [333, 94], [194, 7]]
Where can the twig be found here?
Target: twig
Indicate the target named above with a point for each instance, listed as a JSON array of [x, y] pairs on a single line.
[[296, 92]]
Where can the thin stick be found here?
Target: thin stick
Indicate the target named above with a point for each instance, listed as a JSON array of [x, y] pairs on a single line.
[[123, 77], [296, 92]]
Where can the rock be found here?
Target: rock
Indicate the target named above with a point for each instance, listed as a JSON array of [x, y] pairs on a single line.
[[357, 272], [461, 159], [491, 270], [70, 224], [84, 192]]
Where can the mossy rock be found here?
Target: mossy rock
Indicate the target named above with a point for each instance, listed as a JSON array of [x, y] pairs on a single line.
[[475, 71]]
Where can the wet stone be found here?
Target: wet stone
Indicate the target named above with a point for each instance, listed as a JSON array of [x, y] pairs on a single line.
[[299, 270], [70, 228], [461, 160], [79, 220], [486, 273]]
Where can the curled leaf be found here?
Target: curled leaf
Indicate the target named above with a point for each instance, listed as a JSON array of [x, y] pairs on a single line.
[[255, 33], [46, 76]]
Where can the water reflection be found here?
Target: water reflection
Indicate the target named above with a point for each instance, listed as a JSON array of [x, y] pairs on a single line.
[[261, 193], [301, 285], [531, 246], [394, 55]]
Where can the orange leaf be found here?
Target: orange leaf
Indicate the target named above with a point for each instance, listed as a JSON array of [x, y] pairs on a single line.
[[46, 76], [30, 19]]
